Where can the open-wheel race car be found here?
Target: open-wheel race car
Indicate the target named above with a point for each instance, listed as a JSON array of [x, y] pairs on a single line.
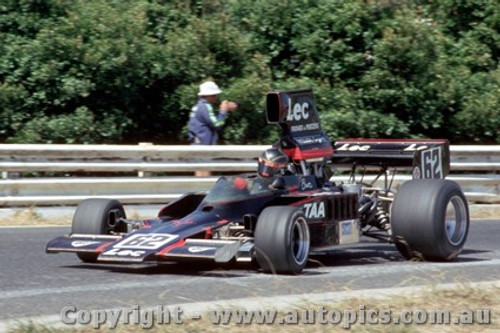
[[290, 208]]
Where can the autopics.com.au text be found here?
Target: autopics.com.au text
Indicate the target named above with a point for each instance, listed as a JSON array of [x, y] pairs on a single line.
[[174, 315]]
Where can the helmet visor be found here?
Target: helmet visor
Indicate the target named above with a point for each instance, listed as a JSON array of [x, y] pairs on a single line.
[[268, 169]]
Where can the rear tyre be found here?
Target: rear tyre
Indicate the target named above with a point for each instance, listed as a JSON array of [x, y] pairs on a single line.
[[96, 217], [430, 219], [282, 240]]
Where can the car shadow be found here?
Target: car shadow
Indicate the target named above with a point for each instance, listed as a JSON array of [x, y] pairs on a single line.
[[200, 269], [357, 255], [378, 253], [471, 251]]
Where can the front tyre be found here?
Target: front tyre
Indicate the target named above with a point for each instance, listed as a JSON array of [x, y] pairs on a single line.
[[96, 217], [282, 240], [430, 219]]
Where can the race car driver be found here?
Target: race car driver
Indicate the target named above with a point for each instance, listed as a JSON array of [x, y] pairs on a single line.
[[273, 163]]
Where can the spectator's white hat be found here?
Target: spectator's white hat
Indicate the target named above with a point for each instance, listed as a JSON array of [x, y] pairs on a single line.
[[209, 88]]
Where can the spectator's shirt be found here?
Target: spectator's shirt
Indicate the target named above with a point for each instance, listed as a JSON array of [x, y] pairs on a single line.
[[204, 123]]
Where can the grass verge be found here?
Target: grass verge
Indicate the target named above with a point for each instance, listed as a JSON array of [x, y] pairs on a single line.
[[29, 216]]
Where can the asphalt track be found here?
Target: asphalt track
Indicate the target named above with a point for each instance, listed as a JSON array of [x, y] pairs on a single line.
[[33, 283]]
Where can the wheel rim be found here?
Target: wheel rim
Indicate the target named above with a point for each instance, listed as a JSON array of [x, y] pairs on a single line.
[[300, 241], [456, 220]]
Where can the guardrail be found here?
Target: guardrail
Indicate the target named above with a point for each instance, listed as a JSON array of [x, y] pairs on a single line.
[[40, 175]]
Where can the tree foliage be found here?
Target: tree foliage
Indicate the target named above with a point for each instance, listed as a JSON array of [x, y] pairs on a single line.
[[95, 71]]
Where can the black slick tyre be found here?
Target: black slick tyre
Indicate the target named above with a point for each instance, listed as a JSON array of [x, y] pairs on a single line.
[[282, 240], [430, 219], [95, 217]]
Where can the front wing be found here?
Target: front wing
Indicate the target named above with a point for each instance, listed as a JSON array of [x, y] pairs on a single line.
[[111, 248]]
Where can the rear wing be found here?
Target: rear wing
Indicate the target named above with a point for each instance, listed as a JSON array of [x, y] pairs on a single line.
[[303, 139], [426, 158]]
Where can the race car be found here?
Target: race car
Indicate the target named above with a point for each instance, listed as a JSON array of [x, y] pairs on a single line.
[[290, 208]]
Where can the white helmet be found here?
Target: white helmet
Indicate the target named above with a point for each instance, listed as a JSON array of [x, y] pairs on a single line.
[[209, 88]]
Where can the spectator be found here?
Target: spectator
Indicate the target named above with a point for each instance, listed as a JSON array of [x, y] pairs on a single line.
[[204, 122]]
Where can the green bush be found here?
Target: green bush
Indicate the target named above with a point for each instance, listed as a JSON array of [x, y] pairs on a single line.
[[78, 127], [131, 68]]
